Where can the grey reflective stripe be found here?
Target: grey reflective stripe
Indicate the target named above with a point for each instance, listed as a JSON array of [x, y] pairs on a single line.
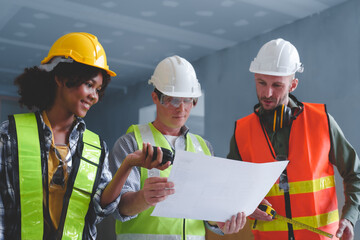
[[155, 237], [146, 134], [192, 237], [154, 172], [196, 143], [148, 137]]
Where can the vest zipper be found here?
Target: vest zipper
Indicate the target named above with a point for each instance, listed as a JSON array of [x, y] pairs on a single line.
[[288, 215], [49, 229], [288, 203], [184, 229]]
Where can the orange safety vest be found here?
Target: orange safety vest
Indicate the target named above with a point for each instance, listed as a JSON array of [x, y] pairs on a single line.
[[310, 174]]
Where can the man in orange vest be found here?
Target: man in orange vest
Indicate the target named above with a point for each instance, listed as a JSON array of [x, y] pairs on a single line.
[[283, 128]]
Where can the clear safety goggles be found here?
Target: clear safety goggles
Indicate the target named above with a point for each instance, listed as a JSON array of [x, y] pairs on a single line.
[[176, 101]]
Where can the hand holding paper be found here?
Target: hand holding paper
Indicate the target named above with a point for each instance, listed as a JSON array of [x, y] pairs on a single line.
[[156, 189]]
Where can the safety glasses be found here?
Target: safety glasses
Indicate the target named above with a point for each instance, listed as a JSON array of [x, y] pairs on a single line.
[[175, 102], [58, 178]]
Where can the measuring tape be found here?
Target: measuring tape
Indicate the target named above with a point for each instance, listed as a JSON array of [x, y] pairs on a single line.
[[269, 210]]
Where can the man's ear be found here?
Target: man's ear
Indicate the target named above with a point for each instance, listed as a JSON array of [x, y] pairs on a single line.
[[294, 84], [154, 97]]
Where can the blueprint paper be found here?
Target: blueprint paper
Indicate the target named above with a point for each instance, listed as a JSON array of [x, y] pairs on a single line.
[[214, 189]]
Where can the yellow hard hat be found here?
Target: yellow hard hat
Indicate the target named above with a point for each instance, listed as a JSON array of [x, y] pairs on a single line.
[[83, 48]]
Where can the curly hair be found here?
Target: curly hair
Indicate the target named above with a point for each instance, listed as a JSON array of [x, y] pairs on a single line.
[[37, 88]]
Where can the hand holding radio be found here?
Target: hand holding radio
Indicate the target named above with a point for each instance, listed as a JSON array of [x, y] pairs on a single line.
[[167, 155]]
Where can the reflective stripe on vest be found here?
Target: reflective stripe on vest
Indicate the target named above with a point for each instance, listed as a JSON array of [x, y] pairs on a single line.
[[146, 227], [30, 176], [146, 133], [310, 173], [30, 179], [83, 187], [155, 237], [314, 221], [304, 186]]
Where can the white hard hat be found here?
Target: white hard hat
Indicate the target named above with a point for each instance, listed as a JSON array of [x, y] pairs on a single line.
[[277, 58], [176, 77]]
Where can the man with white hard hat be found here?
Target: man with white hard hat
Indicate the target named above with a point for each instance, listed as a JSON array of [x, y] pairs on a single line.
[[283, 128], [176, 92]]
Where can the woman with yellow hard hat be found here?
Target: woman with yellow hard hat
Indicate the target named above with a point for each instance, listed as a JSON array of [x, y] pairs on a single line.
[[54, 176]]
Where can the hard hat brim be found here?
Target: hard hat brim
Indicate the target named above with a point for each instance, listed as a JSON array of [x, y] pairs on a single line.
[[181, 94], [273, 73]]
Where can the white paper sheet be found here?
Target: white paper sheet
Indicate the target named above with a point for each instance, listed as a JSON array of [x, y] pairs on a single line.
[[214, 189]]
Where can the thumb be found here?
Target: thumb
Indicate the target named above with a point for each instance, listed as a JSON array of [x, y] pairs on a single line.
[[220, 224], [340, 230]]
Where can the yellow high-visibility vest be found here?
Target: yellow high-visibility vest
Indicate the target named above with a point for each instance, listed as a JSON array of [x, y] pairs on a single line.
[[145, 226], [31, 185]]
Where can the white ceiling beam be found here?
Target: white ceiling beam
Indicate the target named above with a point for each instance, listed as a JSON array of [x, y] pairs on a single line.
[[117, 21], [7, 11], [46, 48], [294, 8], [24, 44], [131, 63]]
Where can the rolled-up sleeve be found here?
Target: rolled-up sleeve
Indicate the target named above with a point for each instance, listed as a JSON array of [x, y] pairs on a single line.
[[122, 147], [105, 179]]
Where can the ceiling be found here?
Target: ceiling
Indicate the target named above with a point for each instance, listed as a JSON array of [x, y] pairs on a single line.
[[137, 34]]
